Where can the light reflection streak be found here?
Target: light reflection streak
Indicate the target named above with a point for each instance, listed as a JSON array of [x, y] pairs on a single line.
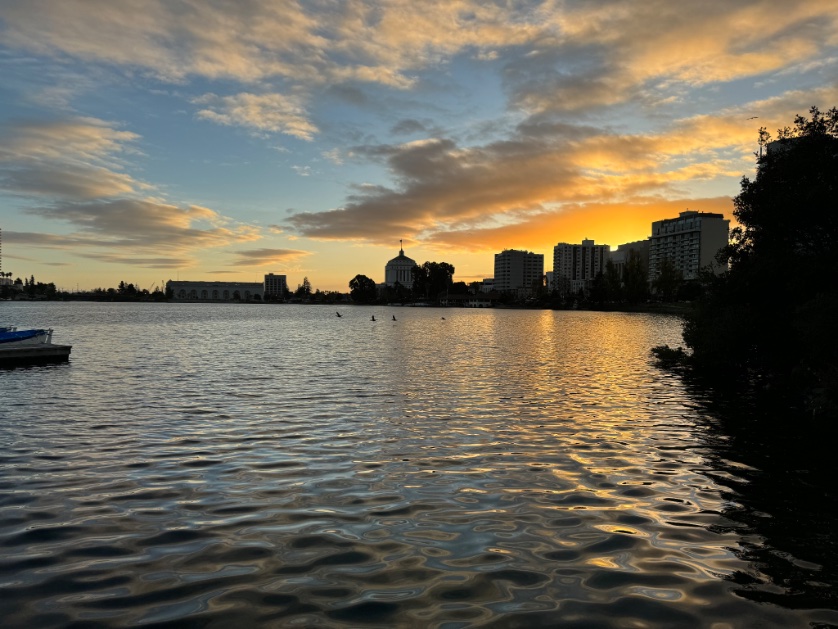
[[510, 459]]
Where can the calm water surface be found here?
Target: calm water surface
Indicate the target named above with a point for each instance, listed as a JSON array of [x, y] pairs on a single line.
[[277, 466]]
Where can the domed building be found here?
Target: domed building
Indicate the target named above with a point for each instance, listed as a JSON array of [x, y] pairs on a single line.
[[400, 269]]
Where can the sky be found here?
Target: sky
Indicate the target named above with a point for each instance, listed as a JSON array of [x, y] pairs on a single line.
[[149, 140]]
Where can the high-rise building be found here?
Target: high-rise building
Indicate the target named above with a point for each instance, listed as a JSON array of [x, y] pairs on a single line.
[[518, 271], [574, 266], [275, 285], [690, 242]]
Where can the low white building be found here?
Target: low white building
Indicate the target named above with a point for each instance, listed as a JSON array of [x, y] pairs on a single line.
[[215, 291]]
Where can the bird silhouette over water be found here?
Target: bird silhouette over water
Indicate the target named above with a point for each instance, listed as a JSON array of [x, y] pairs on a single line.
[[394, 317], [338, 314], [372, 318], [443, 318]]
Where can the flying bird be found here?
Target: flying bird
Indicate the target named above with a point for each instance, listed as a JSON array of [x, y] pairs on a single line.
[[372, 318], [394, 317], [338, 314], [753, 117]]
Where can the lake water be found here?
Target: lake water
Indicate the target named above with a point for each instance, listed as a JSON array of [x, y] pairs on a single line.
[[277, 466]]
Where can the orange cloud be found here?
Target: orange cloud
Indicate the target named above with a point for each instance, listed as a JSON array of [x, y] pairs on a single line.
[[614, 49], [446, 188], [606, 223], [264, 257]]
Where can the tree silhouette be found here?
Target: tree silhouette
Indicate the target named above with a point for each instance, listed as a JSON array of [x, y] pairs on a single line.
[[362, 289], [772, 315]]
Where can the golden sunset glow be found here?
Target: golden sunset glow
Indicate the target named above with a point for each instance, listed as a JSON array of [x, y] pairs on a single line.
[[193, 140]]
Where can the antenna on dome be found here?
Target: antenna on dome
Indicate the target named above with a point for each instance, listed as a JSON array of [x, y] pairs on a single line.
[[401, 247]]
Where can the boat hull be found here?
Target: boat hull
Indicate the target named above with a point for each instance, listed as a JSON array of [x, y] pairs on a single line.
[[16, 338]]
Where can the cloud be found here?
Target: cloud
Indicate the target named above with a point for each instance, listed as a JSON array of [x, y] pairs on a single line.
[[78, 159], [548, 165], [592, 87], [606, 53], [334, 156], [554, 56], [274, 113], [253, 41], [141, 225], [68, 181], [74, 164], [145, 262], [50, 241], [82, 138], [407, 127], [264, 257]]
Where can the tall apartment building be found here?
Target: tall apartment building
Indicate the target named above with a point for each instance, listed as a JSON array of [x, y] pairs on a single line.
[[275, 285], [518, 270], [574, 266], [690, 241]]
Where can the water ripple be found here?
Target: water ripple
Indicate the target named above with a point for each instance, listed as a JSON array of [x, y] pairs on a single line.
[[510, 468]]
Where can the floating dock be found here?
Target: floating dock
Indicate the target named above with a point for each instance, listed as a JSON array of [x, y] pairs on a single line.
[[34, 354]]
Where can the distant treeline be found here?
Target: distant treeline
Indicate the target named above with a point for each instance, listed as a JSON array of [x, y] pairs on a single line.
[[30, 289]]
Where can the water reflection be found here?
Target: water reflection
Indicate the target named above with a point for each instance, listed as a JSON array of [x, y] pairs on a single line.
[[279, 466], [780, 498]]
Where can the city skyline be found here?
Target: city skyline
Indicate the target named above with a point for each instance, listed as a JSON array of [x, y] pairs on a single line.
[[185, 140]]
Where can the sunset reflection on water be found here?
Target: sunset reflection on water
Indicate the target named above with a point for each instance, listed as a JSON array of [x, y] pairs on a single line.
[[276, 465]]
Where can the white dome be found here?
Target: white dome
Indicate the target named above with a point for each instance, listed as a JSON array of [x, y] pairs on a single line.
[[398, 270]]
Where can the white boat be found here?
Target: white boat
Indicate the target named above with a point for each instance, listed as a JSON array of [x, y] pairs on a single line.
[[11, 337], [29, 346]]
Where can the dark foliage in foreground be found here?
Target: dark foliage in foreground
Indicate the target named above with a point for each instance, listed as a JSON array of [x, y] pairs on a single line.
[[772, 318]]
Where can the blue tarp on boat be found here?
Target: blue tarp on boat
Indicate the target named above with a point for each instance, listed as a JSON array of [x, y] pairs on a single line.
[[20, 335]]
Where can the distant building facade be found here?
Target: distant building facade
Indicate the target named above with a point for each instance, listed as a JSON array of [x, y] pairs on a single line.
[[690, 242], [487, 285], [620, 255], [399, 270], [518, 271], [275, 285], [575, 266], [215, 291]]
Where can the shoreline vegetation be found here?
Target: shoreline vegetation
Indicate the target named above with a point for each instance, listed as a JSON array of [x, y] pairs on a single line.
[[766, 328]]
